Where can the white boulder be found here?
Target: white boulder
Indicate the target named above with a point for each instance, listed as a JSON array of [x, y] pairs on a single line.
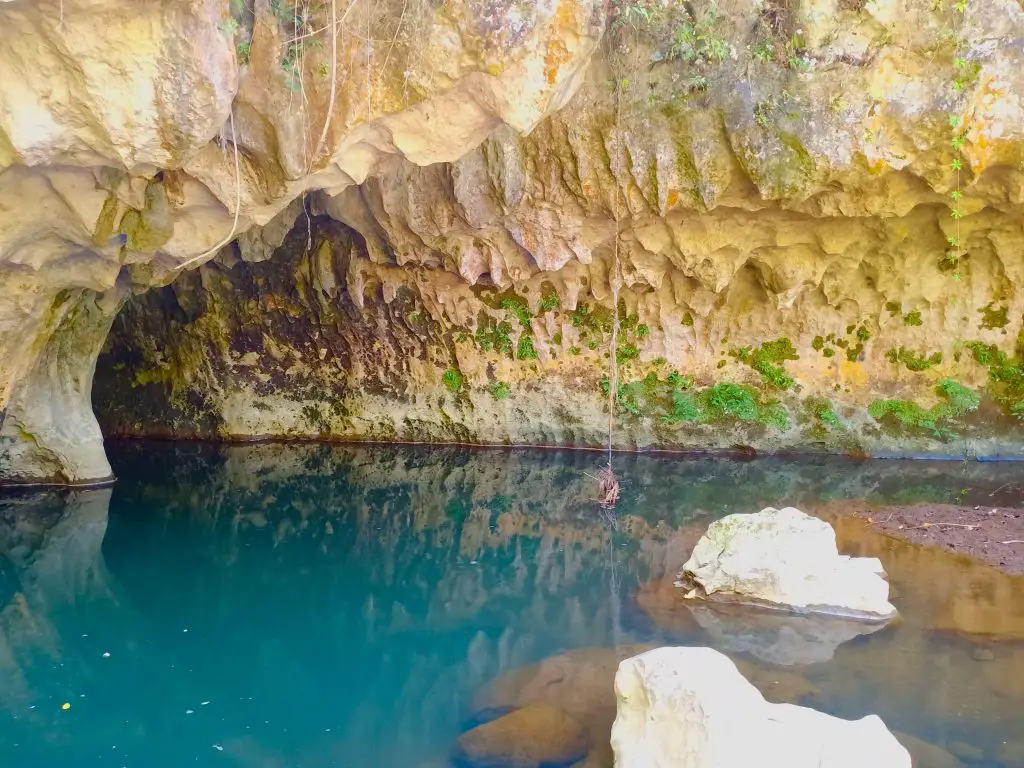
[[691, 708], [783, 557]]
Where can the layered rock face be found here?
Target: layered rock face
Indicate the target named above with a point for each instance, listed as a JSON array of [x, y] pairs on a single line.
[[437, 206]]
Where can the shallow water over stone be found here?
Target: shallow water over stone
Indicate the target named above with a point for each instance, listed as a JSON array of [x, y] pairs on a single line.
[[309, 605]]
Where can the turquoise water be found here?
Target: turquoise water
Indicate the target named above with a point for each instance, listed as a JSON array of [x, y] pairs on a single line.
[[306, 605]]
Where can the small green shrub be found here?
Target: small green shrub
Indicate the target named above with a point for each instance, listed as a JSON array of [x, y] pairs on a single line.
[[549, 302], [696, 39], [499, 390], [912, 361], [768, 360], [517, 307], [525, 350], [627, 352], [957, 400], [453, 379]]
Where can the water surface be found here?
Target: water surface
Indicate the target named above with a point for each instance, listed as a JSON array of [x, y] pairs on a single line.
[[308, 605]]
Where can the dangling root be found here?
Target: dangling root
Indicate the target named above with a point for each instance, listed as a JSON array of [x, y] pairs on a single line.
[[608, 487]]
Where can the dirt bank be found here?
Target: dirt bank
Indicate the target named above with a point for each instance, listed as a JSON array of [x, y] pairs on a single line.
[[994, 535]]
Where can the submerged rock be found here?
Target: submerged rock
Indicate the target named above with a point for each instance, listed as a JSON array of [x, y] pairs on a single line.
[[925, 755], [789, 559], [682, 707], [536, 735]]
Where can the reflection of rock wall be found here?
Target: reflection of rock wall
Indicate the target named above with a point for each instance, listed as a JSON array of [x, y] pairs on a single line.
[[50, 543], [344, 577]]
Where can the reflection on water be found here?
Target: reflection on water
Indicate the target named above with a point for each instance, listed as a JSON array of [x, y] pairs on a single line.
[[303, 605]]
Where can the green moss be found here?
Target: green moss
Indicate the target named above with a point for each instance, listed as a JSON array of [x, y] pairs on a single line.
[[913, 318], [105, 223], [957, 400], [912, 361], [893, 308], [574, 350], [557, 338], [829, 352], [768, 360], [863, 334], [818, 343], [453, 379], [525, 350], [721, 364], [994, 317], [853, 353], [499, 390], [143, 377], [687, 319], [642, 331]]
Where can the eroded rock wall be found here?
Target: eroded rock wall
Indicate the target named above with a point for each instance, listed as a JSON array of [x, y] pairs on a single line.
[[780, 219], [136, 139], [771, 184]]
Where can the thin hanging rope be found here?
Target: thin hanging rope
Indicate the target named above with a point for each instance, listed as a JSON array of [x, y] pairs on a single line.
[[608, 495]]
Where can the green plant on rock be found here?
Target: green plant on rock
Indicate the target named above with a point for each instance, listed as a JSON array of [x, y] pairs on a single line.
[[994, 317], [453, 379], [496, 336], [525, 349], [696, 39], [912, 361], [764, 50], [821, 410], [518, 308], [549, 302], [597, 322], [500, 390], [763, 113], [768, 360], [956, 401], [723, 402], [633, 12], [627, 352], [1005, 373], [913, 318]]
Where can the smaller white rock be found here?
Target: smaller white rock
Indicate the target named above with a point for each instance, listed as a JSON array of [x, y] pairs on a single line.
[[691, 708], [787, 558]]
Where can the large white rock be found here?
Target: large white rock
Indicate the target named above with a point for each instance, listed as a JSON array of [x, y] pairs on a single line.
[[691, 708], [786, 558]]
